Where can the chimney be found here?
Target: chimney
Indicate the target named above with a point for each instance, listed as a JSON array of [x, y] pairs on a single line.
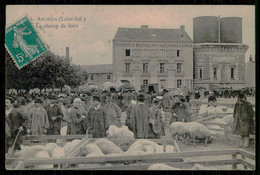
[[182, 27], [250, 58], [67, 53], [144, 27]]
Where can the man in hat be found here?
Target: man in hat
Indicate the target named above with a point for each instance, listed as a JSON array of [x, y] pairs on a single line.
[[113, 112], [64, 105], [55, 116], [140, 116], [39, 122], [114, 97], [166, 101], [243, 123], [96, 121], [76, 124], [16, 122], [211, 97], [128, 121], [156, 120], [178, 110]]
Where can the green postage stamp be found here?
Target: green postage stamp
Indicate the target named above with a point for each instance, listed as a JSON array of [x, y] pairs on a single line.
[[23, 43]]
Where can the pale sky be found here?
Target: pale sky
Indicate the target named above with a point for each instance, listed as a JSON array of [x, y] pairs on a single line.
[[91, 42]]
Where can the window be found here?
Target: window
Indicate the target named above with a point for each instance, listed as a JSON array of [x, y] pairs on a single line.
[[178, 53], [162, 66], [200, 73], [162, 84], [145, 67], [127, 52], [178, 83], [232, 73], [92, 77], [178, 68], [215, 73], [127, 67], [145, 81], [108, 77]]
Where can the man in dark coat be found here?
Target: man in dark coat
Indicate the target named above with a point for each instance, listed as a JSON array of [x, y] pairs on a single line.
[[140, 116], [55, 116], [16, 122], [243, 124], [76, 119], [179, 110], [96, 120]]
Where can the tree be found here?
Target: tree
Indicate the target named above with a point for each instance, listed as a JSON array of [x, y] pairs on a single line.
[[49, 71]]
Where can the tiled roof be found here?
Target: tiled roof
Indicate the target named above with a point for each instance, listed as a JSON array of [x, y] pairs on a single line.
[[99, 68], [152, 35]]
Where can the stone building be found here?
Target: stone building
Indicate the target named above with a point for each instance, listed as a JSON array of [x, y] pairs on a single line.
[[250, 73], [219, 54], [98, 74], [153, 56]]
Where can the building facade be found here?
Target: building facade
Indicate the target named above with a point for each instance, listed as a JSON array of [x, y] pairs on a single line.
[[153, 56], [219, 54], [250, 73], [98, 74]]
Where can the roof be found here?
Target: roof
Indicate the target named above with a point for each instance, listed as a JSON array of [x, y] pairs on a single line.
[[152, 35], [99, 68]]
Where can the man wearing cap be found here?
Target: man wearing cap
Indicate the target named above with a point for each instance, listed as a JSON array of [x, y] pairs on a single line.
[[113, 112], [140, 116], [97, 123], [39, 122], [156, 120], [55, 116], [76, 119], [166, 101], [15, 122]]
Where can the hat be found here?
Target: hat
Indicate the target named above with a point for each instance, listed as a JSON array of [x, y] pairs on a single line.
[[10, 98], [165, 90], [96, 98], [181, 97], [77, 100], [140, 97], [156, 101], [38, 100], [52, 97]]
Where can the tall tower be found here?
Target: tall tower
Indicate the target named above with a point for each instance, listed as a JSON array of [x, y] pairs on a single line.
[[219, 53]]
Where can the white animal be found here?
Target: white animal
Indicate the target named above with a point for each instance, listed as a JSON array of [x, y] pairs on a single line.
[[196, 130], [92, 148], [43, 155], [107, 146], [67, 147], [58, 152], [50, 147], [161, 166], [169, 149], [177, 129], [159, 149]]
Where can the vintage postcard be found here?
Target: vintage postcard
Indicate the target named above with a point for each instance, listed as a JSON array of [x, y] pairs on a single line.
[[120, 87]]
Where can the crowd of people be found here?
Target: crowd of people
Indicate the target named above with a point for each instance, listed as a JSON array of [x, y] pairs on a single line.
[[93, 113]]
